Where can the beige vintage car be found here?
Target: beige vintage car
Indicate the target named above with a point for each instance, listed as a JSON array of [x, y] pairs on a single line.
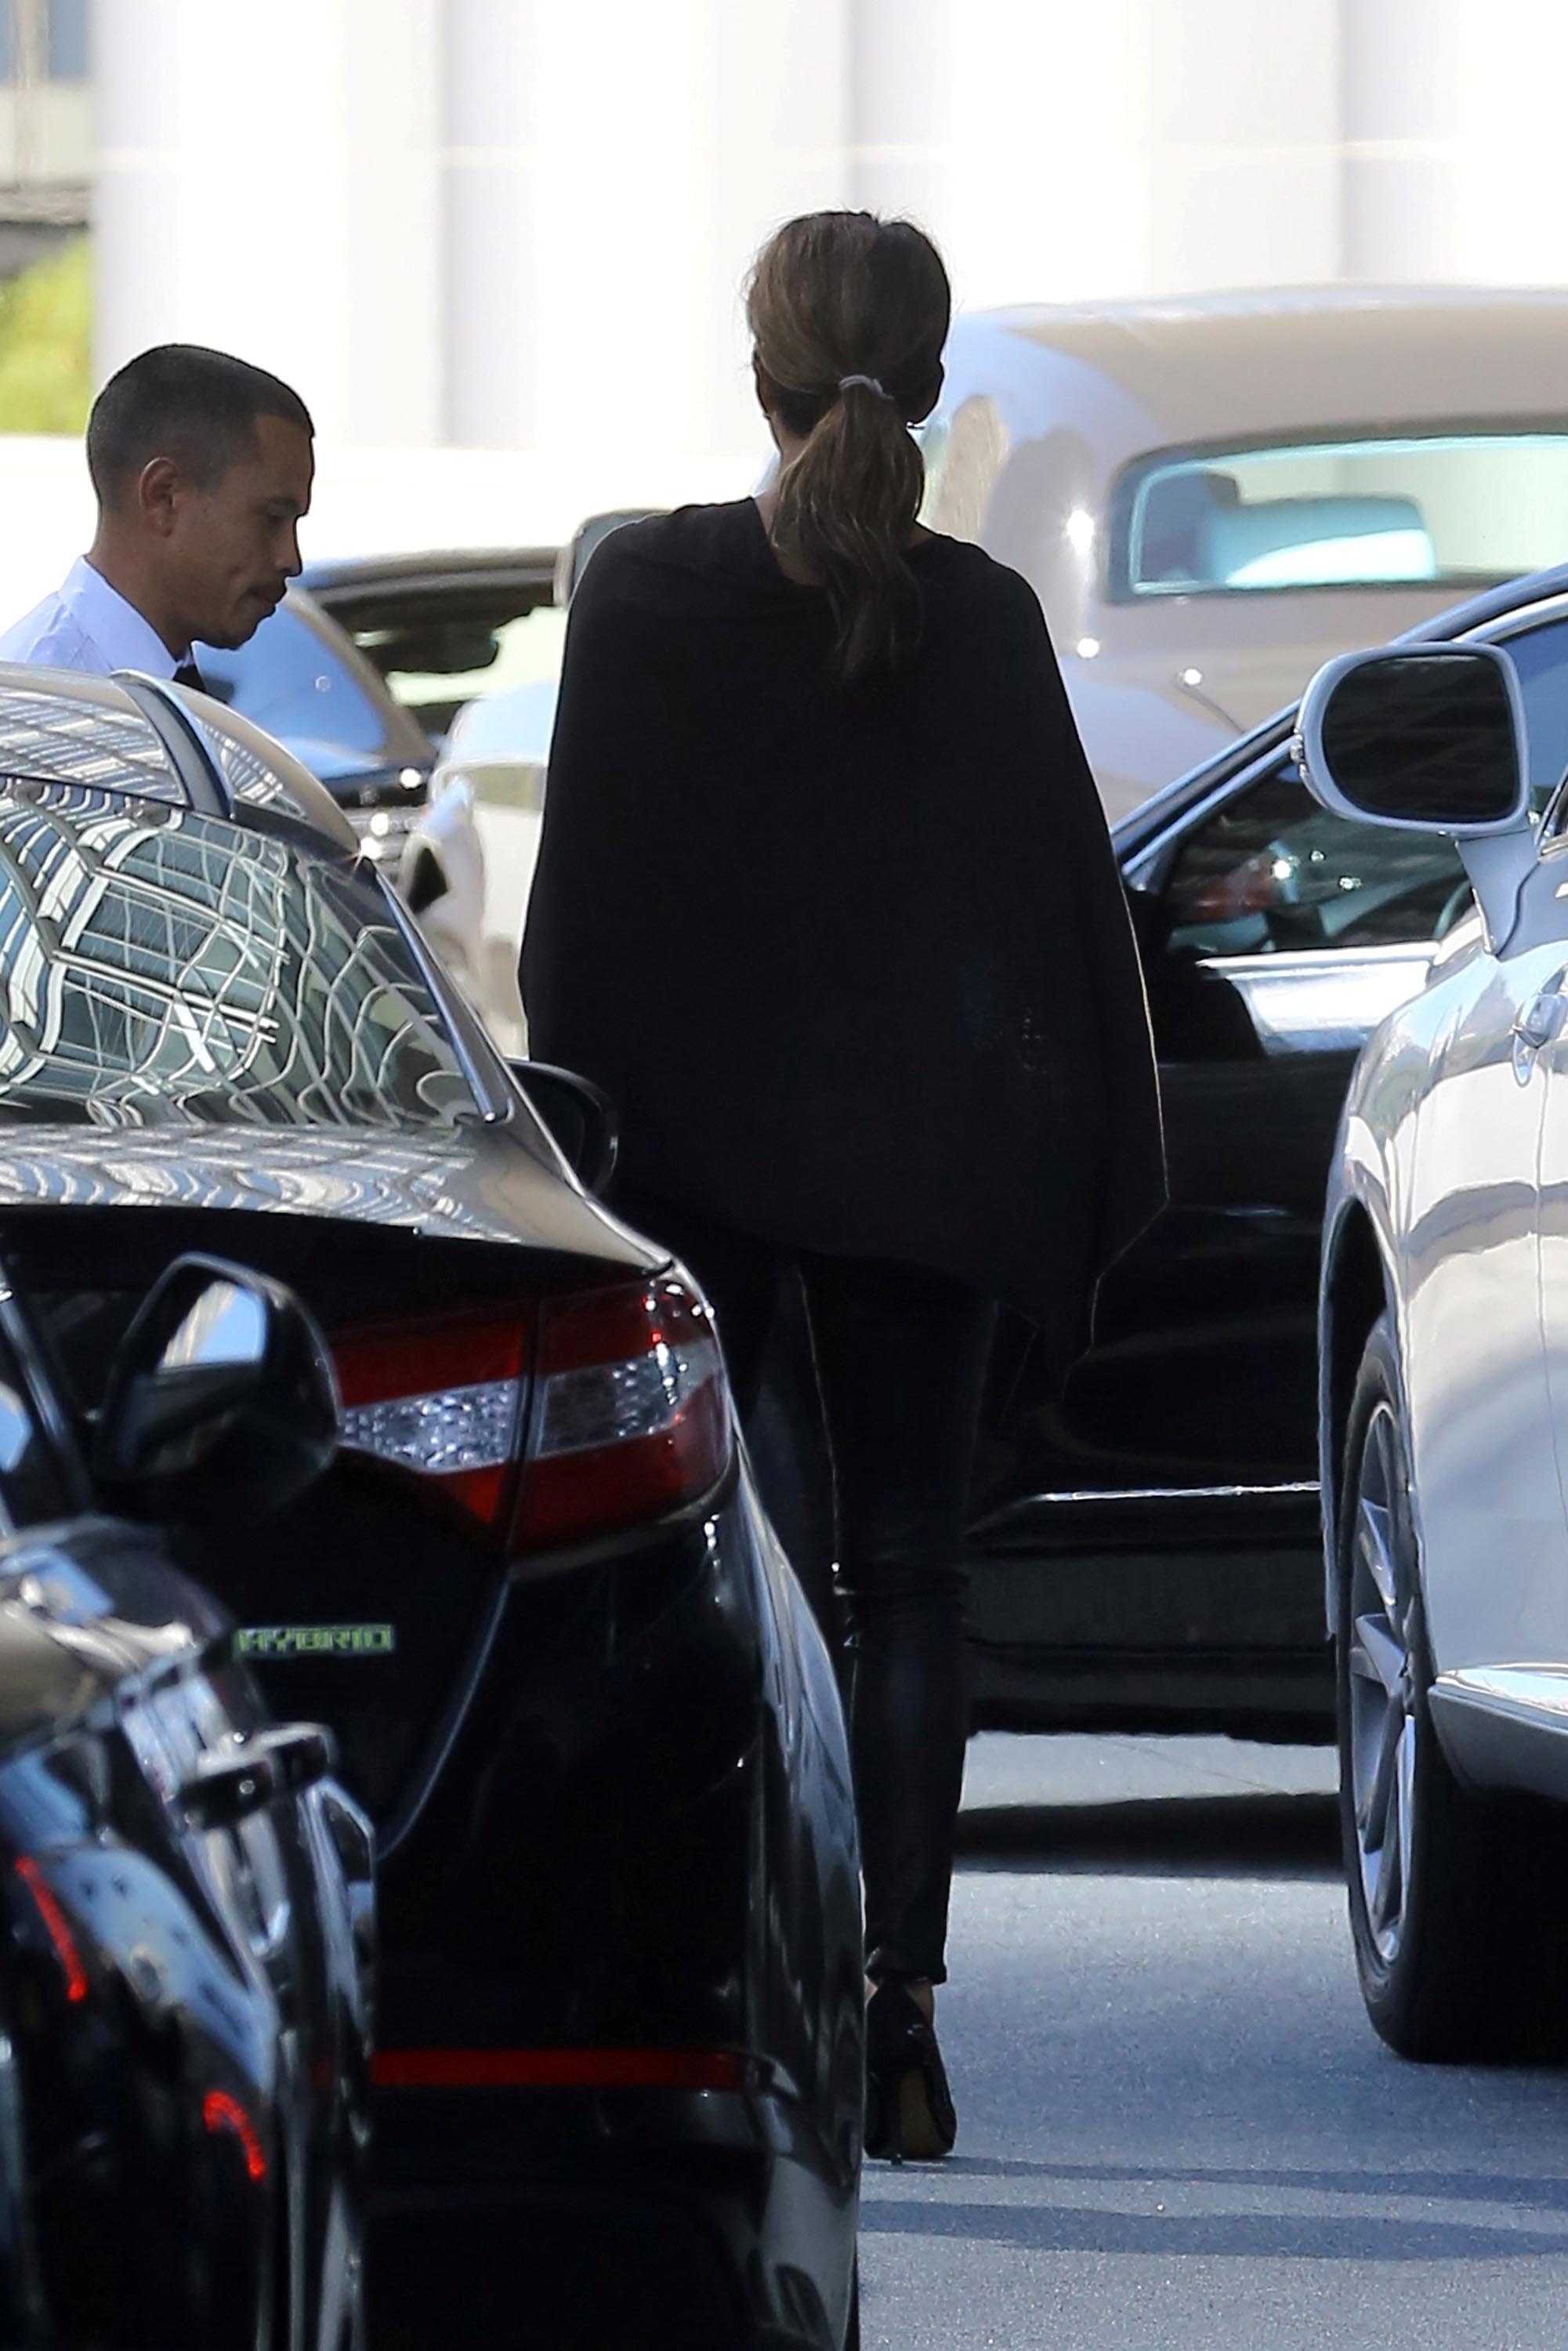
[[1212, 496]]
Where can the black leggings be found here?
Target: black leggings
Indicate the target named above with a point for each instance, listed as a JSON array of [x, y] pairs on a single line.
[[897, 1358]]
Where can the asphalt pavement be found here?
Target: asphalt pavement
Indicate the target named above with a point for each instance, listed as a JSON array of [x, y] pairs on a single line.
[[1176, 2130]]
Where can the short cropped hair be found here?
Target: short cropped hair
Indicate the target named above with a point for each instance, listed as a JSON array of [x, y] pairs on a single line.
[[180, 400]]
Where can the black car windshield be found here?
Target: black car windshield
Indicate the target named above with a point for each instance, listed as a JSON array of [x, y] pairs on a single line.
[[164, 967], [290, 680]]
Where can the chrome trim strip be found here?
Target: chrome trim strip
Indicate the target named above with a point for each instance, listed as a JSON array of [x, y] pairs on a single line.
[[1175, 1493], [1294, 961], [1535, 1692]]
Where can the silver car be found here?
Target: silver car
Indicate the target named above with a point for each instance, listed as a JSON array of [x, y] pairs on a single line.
[[1211, 496], [1444, 1373]]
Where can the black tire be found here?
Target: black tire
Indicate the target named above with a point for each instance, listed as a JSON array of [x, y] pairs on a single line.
[[1461, 1948], [852, 2330]]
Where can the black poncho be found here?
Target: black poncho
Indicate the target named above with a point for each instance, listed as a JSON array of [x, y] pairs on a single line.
[[852, 960]]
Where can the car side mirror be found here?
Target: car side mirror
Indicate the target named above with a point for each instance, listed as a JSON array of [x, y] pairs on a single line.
[[220, 1400], [581, 1117], [1429, 739], [586, 541]]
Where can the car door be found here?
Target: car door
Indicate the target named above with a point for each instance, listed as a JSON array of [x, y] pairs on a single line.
[[1466, 1205], [1275, 937], [1530, 1623]]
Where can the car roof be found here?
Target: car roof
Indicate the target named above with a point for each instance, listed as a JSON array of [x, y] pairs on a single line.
[[1256, 365], [449, 567]]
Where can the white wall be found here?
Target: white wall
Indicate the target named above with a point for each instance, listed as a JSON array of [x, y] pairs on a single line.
[[268, 181], [520, 228]]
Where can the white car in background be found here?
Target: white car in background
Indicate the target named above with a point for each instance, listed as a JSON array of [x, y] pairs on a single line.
[[494, 756], [494, 759], [1212, 496], [1444, 1379]]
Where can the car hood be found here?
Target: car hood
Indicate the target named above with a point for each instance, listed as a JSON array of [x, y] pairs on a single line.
[[470, 1183]]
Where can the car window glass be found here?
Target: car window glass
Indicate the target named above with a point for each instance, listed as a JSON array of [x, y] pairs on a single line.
[[1417, 509], [289, 679], [1539, 657], [57, 739], [189, 971], [1270, 872]]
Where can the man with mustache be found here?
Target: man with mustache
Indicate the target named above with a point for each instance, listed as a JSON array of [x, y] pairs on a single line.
[[202, 468]]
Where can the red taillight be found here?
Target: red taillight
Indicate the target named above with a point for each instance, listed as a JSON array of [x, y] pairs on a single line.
[[222, 2113], [443, 1399], [629, 1415], [627, 1409]]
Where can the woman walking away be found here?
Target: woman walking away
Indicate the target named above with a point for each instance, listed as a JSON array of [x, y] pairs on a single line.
[[825, 902]]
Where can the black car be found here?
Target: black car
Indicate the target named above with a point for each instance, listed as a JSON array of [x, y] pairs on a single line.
[[1145, 1551], [442, 627], [303, 680], [364, 664], [187, 1908], [573, 1680]]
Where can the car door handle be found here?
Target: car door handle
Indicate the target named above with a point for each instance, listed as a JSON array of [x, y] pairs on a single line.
[[1540, 1023]]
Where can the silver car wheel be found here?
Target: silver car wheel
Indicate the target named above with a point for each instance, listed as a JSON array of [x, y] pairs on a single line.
[[1382, 1680]]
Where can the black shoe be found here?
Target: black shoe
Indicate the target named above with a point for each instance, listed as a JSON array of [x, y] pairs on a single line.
[[908, 2105]]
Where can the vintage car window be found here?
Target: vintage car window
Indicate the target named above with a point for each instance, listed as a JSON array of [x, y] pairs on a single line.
[[1271, 872], [159, 965], [1452, 509]]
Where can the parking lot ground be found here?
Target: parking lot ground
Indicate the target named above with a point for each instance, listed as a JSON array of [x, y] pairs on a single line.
[[1177, 2132]]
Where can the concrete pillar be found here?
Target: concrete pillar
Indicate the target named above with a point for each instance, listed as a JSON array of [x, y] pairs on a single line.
[[902, 62], [609, 168], [1400, 101], [1237, 114], [1062, 152], [491, 167], [1003, 127], [1512, 70], [266, 183], [136, 189]]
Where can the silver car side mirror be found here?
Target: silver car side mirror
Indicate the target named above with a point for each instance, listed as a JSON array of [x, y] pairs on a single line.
[[1429, 739]]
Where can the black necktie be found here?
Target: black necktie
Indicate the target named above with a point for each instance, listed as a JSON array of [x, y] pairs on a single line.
[[187, 673]]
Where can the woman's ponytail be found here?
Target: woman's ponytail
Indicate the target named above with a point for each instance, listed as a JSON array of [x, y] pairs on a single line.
[[849, 315]]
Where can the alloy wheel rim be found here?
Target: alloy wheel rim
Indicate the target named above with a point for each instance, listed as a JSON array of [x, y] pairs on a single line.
[[1382, 1695]]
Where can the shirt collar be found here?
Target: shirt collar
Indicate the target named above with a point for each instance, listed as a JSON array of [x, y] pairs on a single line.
[[125, 639]]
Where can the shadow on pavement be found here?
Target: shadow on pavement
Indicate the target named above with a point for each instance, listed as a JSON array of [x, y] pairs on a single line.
[[1165, 1836], [1393, 2235], [1533, 2190]]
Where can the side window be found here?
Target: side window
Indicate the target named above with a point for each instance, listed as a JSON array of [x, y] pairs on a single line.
[[1272, 874], [1540, 657]]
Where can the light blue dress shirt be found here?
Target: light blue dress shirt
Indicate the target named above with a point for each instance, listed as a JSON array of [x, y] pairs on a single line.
[[86, 624]]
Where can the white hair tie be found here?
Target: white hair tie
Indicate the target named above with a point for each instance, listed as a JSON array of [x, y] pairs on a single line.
[[869, 382]]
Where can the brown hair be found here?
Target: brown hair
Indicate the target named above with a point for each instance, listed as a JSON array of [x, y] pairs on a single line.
[[837, 295]]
